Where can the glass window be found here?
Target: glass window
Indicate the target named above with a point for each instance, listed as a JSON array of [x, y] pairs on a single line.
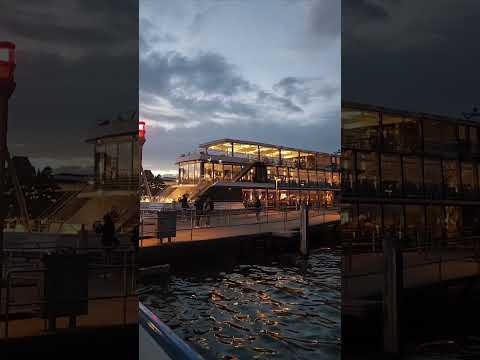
[[271, 174], [392, 139], [236, 170], [303, 177], [347, 165], [125, 159], [411, 135], [391, 175], [449, 138], [369, 221], [451, 177], [474, 143], [197, 171], [359, 129], [349, 221], [412, 171], [393, 219], [453, 221], [100, 163], [415, 225], [293, 176], [321, 177], [312, 177], [471, 221], [208, 169], [227, 172], [468, 177], [191, 173], [433, 178], [111, 161], [432, 136], [283, 175], [435, 223], [336, 179], [218, 172], [367, 172]]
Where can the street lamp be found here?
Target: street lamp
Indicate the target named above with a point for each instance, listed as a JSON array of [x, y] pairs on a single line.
[[7, 86], [277, 179]]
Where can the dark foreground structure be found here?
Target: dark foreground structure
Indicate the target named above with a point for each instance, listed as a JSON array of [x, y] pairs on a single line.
[[411, 205]]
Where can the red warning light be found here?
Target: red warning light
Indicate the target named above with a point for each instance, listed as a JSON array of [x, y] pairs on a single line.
[[7, 60], [141, 130]]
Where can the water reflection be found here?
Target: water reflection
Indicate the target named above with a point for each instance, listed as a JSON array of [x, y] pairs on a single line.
[[257, 311]]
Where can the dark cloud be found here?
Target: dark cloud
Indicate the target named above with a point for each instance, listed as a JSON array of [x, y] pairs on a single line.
[[325, 18], [77, 61], [306, 90], [424, 57], [208, 72], [363, 11]]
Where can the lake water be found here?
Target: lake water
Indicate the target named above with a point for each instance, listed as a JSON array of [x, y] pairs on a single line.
[[257, 312]]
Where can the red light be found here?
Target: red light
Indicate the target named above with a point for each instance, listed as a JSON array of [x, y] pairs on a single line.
[[141, 130], [7, 60]]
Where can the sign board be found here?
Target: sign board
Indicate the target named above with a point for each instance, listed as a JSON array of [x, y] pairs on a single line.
[[166, 224], [66, 285]]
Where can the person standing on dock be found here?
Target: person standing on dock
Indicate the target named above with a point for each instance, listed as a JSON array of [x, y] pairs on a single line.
[[198, 204], [209, 207], [258, 207], [184, 202]]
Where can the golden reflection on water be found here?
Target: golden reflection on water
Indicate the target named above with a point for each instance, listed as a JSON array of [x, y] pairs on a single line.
[[257, 312]]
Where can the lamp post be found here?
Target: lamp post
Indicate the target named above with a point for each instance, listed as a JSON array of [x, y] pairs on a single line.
[[7, 86]]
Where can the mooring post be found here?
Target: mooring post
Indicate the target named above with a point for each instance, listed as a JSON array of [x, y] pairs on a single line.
[[304, 230], [393, 286]]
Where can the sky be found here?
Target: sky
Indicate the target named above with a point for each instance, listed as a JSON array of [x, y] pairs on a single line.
[[77, 63], [267, 71], [412, 55]]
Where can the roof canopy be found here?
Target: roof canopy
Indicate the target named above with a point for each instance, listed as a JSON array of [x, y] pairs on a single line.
[[253, 147]]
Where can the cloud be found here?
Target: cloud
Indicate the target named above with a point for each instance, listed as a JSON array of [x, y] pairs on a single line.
[[77, 61], [306, 90], [423, 57]]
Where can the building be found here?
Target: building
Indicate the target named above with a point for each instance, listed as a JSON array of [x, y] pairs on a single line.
[[236, 171], [414, 175], [115, 184]]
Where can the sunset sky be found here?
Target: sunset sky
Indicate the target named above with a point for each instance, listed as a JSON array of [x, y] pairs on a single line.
[[257, 70]]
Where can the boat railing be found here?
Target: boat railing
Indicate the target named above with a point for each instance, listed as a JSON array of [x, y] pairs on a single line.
[[165, 339]]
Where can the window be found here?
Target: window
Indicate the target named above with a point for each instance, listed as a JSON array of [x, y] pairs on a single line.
[[218, 172], [367, 172], [369, 221], [415, 225], [283, 175], [236, 170], [359, 129], [125, 159], [347, 165], [227, 172], [348, 220], [468, 177], [208, 169], [271, 174], [432, 136], [433, 178], [392, 136], [435, 223], [393, 219], [453, 221], [412, 172], [303, 177], [391, 175], [450, 170], [293, 176], [312, 177]]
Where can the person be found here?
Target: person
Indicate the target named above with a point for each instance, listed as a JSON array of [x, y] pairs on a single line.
[[135, 237], [209, 207], [184, 202], [258, 207], [198, 204]]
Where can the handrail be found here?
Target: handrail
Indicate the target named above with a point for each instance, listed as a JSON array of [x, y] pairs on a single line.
[[166, 339]]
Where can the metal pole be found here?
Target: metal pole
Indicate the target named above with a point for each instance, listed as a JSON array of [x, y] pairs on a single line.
[[393, 285], [125, 292], [3, 158], [304, 231]]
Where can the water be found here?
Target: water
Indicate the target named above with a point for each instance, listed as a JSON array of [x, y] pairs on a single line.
[[257, 312]]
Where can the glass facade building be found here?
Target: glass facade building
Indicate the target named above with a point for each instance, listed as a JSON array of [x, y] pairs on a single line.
[[414, 175], [275, 173]]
